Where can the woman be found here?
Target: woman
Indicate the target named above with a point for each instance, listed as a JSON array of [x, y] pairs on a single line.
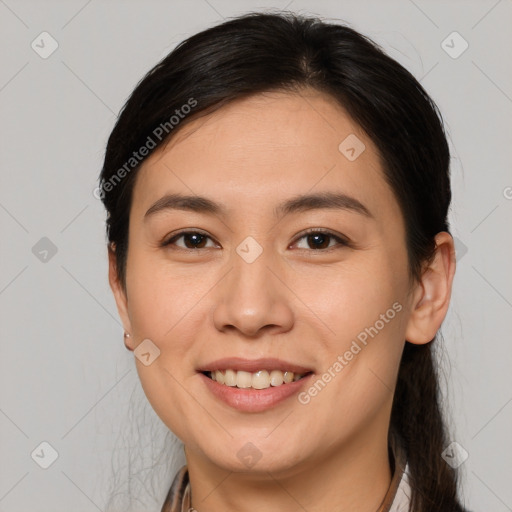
[[277, 191]]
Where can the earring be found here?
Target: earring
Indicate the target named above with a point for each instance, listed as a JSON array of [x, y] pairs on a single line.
[[126, 336]]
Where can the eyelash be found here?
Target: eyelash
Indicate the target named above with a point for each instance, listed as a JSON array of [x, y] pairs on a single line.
[[342, 241]]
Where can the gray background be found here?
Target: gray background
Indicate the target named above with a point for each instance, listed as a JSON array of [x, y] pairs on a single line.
[[66, 378]]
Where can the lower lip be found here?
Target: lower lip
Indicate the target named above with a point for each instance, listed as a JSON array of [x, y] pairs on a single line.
[[254, 400]]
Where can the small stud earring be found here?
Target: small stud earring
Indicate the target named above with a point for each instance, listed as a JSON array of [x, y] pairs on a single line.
[[126, 336]]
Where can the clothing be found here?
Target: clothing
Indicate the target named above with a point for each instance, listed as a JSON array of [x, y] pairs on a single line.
[[397, 498]]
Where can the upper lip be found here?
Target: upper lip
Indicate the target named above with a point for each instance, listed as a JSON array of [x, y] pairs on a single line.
[[253, 365]]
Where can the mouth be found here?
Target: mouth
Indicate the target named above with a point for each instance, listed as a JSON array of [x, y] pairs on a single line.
[[254, 385], [261, 379]]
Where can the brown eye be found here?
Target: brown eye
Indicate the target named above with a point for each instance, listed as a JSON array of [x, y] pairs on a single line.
[[318, 240], [191, 239], [322, 240]]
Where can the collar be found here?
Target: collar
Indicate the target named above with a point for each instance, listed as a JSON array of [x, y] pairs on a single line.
[[397, 498]]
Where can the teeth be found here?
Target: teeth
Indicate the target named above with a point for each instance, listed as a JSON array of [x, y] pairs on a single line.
[[276, 378], [243, 379], [287, 377], [230, 378], [261, 379]]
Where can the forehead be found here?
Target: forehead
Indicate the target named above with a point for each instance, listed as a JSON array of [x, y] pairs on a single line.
[[270, 125], [265, 147]]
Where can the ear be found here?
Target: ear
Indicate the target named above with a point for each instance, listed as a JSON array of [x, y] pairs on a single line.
[[431, 297], [119, 292]]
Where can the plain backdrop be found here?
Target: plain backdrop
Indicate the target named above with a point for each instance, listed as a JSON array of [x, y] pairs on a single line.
[[66, 379]]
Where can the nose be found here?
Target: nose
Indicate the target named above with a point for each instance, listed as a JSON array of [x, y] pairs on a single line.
[[253, 299]]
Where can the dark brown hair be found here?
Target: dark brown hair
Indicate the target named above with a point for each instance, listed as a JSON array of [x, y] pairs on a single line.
[[260, 52]]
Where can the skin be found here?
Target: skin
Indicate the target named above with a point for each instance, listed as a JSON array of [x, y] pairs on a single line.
[[294, 302]]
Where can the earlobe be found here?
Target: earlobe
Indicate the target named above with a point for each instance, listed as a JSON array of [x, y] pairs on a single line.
[[118, 291], [432, 295]]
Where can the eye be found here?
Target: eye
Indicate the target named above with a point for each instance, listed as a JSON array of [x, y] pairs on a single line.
[[192, 239], [318, 239]]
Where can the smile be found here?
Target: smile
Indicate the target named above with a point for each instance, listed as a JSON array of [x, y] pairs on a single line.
[[261, 379]]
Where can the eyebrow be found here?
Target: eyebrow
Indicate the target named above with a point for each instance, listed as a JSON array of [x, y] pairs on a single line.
[[317, 201]]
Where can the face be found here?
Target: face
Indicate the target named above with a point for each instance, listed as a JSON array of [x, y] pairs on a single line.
[[240, 285]]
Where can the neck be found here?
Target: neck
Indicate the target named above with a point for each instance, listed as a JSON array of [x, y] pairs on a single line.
[[353, 476]]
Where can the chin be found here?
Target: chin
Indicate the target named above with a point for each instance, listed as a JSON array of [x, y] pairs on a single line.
[[257, 456]]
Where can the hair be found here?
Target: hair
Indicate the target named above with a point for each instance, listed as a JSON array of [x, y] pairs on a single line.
[[261, 52]]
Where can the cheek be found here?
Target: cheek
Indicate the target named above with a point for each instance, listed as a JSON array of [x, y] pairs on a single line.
[[161, 308], [160, 296], [364, 308], [349, 299]]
